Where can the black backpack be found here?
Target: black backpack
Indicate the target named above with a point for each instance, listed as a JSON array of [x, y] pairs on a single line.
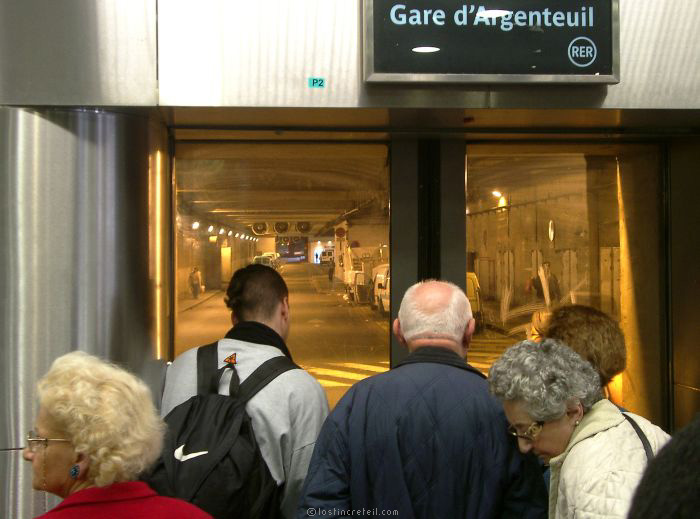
[[210, 456]]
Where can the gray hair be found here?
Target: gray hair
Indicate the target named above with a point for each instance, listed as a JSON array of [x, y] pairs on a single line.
[[421, 321], [547, 377]]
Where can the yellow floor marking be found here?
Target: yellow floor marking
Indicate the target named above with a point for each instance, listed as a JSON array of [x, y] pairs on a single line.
[[366, 367], [332, 383], [337, 373]]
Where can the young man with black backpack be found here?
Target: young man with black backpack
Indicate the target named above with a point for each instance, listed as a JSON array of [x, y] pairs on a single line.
[[283, 405]]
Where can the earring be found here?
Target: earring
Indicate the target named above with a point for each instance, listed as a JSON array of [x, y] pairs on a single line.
[[577, 422], [75, 471]]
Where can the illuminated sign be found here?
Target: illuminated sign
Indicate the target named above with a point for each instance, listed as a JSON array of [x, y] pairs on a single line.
[[504, 41]]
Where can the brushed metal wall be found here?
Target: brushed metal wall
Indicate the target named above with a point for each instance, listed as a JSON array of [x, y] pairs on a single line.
[[78, 52], [262, 54], [75, 260]]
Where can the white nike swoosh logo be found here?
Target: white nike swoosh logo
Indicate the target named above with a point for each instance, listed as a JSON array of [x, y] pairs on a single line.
[[180, 456]]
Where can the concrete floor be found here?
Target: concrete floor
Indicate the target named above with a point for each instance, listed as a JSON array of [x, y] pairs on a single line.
[[337, 341]]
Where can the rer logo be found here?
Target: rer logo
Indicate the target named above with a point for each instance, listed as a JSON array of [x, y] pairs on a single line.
[[582, 51], [317, 82]]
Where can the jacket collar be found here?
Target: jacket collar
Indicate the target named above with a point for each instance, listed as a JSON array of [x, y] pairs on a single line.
[[601, 416], [258, 333], [126, 490], [438, 355]]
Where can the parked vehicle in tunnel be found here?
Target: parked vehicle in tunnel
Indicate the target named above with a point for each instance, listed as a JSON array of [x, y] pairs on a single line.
[[382, 293], [380, 274], [274, 257], [327, 256], [263, 260]]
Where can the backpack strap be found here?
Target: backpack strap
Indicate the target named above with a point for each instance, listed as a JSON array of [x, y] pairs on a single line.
[[642, 436], [263, 375], [208, 374]]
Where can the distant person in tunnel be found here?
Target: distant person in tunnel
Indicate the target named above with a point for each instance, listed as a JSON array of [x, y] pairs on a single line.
[[195, 280], [425, 439], [545, 284], [331, 270], [288, 412]]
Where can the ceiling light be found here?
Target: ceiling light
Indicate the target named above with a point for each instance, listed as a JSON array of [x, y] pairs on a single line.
[[237, 235], [425, 50], [230, 233], [221, 231], [195, 225], [210, 229], [497, 194]]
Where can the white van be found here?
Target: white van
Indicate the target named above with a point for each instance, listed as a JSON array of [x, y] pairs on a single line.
[[380, 275]]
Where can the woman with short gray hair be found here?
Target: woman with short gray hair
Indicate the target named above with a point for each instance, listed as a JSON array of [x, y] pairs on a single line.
[[554, 404]]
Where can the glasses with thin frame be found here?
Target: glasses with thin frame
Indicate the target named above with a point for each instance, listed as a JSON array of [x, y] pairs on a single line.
[[530, 433], [34, 441]]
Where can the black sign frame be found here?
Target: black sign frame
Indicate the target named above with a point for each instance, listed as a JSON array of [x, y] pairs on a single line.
[[373, 76]]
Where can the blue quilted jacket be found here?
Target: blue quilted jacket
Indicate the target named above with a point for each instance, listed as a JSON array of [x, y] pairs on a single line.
[[424, 440]]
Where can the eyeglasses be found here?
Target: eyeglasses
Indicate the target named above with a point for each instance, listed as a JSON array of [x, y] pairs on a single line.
[[34, 441], [532, 431]]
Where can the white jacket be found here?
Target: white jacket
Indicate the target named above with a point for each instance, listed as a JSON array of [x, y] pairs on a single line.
[[286, 415], [597, 474]]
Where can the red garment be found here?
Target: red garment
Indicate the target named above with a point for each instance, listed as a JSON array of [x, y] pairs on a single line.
[[132, 500]]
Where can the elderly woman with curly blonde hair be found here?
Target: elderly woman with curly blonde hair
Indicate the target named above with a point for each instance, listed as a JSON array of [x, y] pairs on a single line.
[[96, 431], [553, 401]]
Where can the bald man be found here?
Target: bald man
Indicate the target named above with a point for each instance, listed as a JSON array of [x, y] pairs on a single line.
[[424, 440]]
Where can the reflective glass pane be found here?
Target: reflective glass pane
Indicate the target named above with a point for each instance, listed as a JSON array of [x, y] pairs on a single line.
[[319, 214], [559, 224]]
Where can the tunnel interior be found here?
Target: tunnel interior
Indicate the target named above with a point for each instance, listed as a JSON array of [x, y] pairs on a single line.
[[309, 193]]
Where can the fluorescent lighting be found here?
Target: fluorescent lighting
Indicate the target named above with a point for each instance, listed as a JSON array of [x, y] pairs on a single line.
[[195, 225], [425, 50], [237, 235], [230, 233], [221, 231], [210, 229], [497, 194]]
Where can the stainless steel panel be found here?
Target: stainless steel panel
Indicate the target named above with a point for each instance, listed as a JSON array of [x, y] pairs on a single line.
[[78, 52], [659, 43], [75, 262], [262, 54]]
